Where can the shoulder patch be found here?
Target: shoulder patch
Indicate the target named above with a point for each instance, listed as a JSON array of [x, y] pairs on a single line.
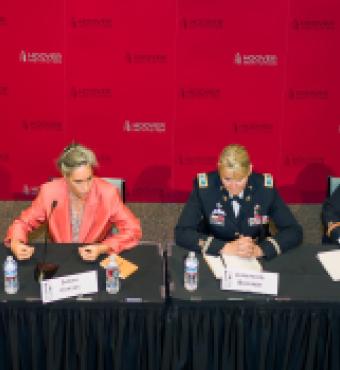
[[268, 180], [202, 179]]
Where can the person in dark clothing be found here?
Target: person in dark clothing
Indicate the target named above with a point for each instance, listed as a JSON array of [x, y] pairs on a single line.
[[229, 210]]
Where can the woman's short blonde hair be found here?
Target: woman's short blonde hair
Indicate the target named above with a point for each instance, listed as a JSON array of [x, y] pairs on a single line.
[[75, 155], [235, 157]]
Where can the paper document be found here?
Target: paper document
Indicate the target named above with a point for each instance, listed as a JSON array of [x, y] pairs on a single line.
[[331, 262], [241, 263], [126, 268], [217, 266]]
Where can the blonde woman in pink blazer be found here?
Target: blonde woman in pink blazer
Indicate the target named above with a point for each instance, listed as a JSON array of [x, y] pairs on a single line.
[[79, 208]]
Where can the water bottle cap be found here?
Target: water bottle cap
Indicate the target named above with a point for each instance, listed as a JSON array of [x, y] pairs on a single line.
[[9, 258], [191, 254], [113, 259]]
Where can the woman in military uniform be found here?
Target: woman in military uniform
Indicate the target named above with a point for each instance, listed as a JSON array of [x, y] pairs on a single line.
[[331, 217], [229, 211]]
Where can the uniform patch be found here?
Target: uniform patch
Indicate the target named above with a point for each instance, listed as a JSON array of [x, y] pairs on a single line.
[[268, 180], [202, 180], [217, 216]]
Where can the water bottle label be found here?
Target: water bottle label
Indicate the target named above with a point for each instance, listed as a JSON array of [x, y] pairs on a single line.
[[109, 273], [112, 280], [11, 283], [192, 269], [191, 274], [10, 272]]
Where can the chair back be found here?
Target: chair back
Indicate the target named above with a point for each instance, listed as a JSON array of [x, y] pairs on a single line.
[[119, 184], [333, 183]]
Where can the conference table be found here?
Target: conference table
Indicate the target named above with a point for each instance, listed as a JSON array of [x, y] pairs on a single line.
[[153, 325], [96, 331], [214, 329]]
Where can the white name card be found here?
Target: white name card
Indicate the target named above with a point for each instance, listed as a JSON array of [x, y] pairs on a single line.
[[69, 286], [250, 281]]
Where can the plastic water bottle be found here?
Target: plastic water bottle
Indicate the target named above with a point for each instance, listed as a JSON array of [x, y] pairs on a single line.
[[191, 272], [112, 276], [11, 282]]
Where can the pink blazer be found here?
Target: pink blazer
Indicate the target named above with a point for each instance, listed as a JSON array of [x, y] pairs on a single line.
[[103, 209]]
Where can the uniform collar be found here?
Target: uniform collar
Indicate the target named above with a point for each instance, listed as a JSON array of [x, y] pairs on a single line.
[[240, 196]]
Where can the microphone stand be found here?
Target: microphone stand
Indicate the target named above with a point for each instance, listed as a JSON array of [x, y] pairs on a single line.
[[44, 270]]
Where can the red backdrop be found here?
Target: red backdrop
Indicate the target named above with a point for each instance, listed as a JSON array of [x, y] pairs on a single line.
[[158, 87]]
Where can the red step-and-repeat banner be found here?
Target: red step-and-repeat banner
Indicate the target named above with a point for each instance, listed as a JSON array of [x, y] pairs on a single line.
[[158, 87]]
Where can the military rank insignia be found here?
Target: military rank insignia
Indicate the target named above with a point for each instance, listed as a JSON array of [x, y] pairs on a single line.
[[268, 180], [202, 180], [217, 216]]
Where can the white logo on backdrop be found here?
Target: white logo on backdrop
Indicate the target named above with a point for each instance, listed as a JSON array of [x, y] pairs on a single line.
[[270, 60], [159, 127], [45, 58]]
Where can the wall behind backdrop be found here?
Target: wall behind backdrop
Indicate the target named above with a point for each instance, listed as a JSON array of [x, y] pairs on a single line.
[[158, 87]]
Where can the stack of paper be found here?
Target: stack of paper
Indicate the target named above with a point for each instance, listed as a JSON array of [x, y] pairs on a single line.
[[218, 264], [241, 263], [215, 264]]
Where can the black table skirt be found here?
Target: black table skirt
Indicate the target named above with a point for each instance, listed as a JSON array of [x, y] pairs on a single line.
[[186, 336], [252, 336], [100, 336]]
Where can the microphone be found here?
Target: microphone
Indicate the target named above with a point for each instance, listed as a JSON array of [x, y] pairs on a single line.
[[44, 270]]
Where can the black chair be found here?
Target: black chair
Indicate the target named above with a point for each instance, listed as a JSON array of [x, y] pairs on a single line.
[[333, 183], [119, 184]]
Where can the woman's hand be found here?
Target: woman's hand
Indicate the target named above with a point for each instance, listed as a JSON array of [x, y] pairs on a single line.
[[21, 251], [244, 246], [92, 252]]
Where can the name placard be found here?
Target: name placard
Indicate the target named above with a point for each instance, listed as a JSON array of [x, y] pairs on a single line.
[[250, 281], [69, 286]]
